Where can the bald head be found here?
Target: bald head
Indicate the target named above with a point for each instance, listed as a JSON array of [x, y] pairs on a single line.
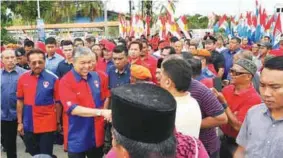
[[178, 47]]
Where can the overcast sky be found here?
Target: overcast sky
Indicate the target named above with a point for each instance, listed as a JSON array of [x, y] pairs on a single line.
[[204, 7]]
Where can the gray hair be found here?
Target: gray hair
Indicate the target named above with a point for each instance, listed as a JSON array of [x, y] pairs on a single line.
[[82, 51], [7, 51], [164, 149]]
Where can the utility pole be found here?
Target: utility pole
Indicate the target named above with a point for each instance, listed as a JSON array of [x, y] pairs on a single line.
[[38, 9], [130, 6], [105, 19]]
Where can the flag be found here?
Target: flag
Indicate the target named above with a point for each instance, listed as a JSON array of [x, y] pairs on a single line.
[[211, 20], [170, 11], [263, 17], [122, 26], [277, 30], [183, 25], [147, 21]]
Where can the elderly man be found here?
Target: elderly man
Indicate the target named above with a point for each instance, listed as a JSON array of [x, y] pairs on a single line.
[[176, 78], [178, 47], [139, 130], [83, 97], [38, 107], [10, 74], [240, 96], [261, 132]]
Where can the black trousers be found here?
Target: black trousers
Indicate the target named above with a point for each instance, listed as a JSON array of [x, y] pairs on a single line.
[[228, 146], [39, 143], [9, 137], [91, 153]]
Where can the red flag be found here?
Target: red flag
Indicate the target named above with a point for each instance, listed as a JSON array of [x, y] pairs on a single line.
[[249, 18], [277, 28], [222, 19], [269, 22], [263, 17]]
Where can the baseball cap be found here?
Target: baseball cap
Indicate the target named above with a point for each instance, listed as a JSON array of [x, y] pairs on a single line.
[[20, 52], [266, 44], [109, 46]]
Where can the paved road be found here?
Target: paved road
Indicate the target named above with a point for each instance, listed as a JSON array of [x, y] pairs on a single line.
[[57, 150]]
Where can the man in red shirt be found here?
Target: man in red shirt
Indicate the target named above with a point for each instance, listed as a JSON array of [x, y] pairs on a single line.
[[149, 60], [104, 64], [239, 97], [83, 96], [37, 105], [245, 44], [279, 51], [138, 57]]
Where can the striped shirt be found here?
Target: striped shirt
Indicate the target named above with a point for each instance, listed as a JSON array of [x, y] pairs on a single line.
[[210, 107]]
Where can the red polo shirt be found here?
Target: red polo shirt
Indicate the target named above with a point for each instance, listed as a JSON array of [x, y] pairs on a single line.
[[39, 95], [246, 47], [239, 104], [83, 133]]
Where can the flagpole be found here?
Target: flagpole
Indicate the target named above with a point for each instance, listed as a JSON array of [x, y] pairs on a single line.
[[105, 19], [38, 9]]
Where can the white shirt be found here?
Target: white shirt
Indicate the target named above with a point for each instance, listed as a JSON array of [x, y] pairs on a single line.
[[157, 53], [188, 116], [220, 49]]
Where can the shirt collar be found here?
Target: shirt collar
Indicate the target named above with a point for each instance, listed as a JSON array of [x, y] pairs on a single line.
[[244, 91], [66, 62], [125, 71], [267, 113], [54, 56], [42, 74], [16, 69], [78, 76]]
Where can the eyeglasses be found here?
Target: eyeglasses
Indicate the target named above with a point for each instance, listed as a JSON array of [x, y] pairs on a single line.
[[237, 73], [37, 62]]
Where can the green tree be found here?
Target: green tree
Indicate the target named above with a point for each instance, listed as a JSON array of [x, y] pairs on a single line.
[[28, 9], [6, 20], [197, 21], [91, 9], [62, 11]]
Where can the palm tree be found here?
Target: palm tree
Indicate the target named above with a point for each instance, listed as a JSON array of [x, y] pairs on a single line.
[[91, 9], [68, 9], [61, 10]]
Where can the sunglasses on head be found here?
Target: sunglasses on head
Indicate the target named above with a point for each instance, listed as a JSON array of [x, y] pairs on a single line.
[[237, 73]]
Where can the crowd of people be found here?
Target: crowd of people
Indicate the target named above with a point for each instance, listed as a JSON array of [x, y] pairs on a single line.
[[143, 97]]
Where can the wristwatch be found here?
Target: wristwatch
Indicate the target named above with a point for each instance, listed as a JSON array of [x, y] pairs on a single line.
[[99, 113]]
